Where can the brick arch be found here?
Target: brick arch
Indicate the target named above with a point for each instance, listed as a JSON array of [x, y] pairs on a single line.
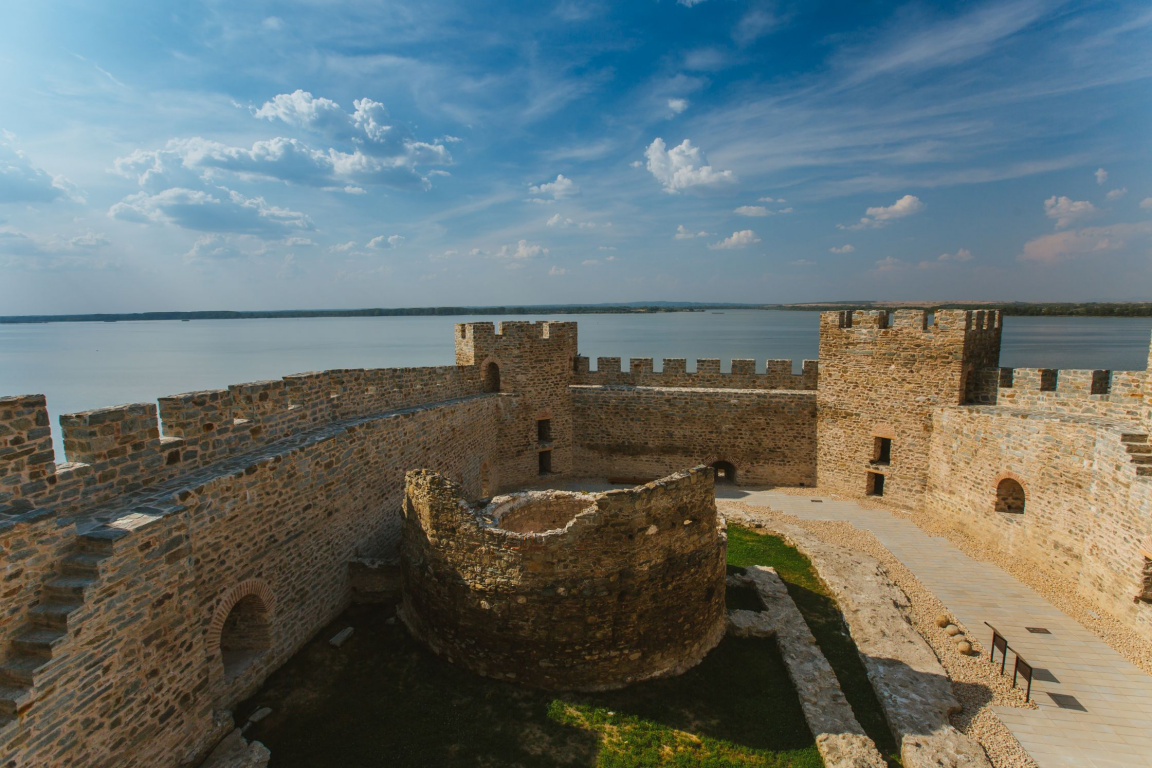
[[714, 459], [1007, 501], [257, 587], [1009, 475]]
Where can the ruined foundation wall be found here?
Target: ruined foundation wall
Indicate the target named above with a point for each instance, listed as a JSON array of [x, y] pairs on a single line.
[[639, 433], [1088, 510], [631, 588]]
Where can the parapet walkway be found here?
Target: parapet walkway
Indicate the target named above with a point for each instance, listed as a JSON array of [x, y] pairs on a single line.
[[1110, 722]]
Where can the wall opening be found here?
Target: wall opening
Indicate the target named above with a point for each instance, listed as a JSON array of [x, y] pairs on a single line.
[[882, 450], [1146, 590], [544, 430], [1010, 497], [491, 378], [725, 472], [246, 635], [875, 485], [545, 462], [485, 480]]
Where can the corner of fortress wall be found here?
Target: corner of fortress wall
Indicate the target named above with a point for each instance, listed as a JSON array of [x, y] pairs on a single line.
[[126, 559]]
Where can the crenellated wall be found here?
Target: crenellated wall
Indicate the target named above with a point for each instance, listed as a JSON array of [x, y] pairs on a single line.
[[1111, 394], [777, 374]]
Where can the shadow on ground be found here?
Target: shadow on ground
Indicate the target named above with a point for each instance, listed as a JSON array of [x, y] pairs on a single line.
[[383, 700]]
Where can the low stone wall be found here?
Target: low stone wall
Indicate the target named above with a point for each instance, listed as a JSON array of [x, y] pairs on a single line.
[[636, 433], [630, 588]]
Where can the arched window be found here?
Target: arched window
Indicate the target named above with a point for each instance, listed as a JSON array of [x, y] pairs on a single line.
[[491, 378], [725, 472], [1010, 497]]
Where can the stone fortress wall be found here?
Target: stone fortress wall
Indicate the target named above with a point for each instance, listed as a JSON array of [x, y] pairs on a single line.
[[566, 590], [183, 552]]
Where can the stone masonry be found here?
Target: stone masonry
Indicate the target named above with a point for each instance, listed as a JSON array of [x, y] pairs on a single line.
[[185, 550]]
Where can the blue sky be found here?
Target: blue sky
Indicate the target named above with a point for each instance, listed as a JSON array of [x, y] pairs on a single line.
[[255, 155]]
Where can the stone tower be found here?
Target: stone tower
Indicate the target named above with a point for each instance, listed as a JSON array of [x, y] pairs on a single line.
[[881, 374], [533, 364]]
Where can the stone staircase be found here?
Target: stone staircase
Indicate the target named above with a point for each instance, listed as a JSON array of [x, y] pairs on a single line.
[[49, 627], [1139, 452]]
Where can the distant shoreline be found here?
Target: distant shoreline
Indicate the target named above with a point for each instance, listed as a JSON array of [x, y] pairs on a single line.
[[1063, 309]]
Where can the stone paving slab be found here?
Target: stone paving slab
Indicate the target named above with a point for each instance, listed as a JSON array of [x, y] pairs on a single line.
[[1115, 728]]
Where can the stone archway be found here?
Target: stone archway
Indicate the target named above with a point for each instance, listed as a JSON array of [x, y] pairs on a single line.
[[492, 377], [725, 472], [241, 628], [1010, 496]]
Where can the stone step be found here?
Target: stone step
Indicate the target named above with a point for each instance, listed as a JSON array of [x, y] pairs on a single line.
[[83, 564], [100, 540], [1133, 437], [13, 699], [1138, 447], [40, 641], [68, 589], [1141, 458], [1144, 470], [20, 671], [53, 615]]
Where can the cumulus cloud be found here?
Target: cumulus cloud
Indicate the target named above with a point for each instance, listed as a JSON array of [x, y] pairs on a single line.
[[1090, 241], [962, 254], [557, 271], [1146, 204], [559, 189], [683, 167], [1101, 176], [677, 105], [22, 182], [523, 250], [1067, 211], [888, 264], [221, 248], [740, 239], [219, 210], [753, 210], [385, 241], [683, 233], [563, 222], [880, 216], [846, 248], [30, 252], [1116, 194]]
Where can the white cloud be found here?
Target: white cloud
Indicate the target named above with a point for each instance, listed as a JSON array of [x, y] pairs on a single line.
[[523, 250], [741, 239], [683, 233], [221, 248], [342, 247], [802, 263], [962, 254], [381, 241], [590, 262], [557, 271], [1116, 194], [753, 210], [677, 105], [560, 188], [846, 248], [1066, 211], [1101, 176], [770, 200], [89, 240], [683, 167], [1146, 204], [880, 216], [608, 248], [1091, 241], [563, 222], [221, 210], [22, 182], [888, 264], [756, 23], [689, 3]]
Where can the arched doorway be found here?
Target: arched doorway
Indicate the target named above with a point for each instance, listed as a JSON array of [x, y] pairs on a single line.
[[242, 626], [1010, 497], [725, 472], [492, 377]]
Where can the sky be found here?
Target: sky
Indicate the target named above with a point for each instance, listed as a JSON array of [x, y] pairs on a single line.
[[259, 155]]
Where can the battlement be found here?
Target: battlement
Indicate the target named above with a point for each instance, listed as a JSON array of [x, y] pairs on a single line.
[[123, 448], [475, 342], [1115, 394], [743, 375], [965, 321]]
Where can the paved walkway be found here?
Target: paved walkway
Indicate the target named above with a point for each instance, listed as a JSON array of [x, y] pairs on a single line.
[[1111, 724]]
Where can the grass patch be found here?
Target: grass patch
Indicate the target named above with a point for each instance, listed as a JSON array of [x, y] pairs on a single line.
[[819, 609], [383, 700]]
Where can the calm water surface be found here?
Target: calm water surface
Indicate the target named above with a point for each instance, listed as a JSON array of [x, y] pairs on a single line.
[[90, 365]]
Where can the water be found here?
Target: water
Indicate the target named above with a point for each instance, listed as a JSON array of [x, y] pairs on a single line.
[[90, 365]]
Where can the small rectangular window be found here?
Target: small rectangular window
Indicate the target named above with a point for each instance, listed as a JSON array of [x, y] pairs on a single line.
[[545, 458], [875, 484], [544, 430], [882, 450]]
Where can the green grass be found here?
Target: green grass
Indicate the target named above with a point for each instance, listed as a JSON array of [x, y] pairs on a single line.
[[819, 609], [383, 700]]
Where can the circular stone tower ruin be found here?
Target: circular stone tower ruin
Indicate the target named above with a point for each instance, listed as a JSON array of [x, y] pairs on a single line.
[[566, 590]]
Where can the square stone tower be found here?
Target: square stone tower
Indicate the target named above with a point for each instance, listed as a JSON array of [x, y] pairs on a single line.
[[533, 363], [881, 375]]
